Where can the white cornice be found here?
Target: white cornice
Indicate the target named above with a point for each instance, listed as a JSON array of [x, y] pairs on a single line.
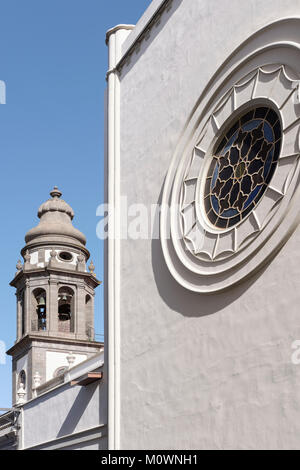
[[127, 27], [140, 32]]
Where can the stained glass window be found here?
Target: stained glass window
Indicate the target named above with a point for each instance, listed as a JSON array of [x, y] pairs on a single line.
[[242, 167]]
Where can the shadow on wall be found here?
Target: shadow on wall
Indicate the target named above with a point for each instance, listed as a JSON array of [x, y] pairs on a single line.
[[174, 295], [78, 408], [188, 303]]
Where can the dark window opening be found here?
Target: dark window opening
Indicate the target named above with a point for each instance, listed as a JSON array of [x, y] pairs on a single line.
[[65, 310], [41, 313], [65, 256], [39, 310]]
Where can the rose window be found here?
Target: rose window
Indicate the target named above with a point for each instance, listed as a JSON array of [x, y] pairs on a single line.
[[242, 167]]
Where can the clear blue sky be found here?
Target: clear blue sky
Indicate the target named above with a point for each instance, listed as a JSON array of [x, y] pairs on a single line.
[[53, 59]]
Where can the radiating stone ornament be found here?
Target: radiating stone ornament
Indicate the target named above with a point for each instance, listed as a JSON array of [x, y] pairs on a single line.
[[232, 181]]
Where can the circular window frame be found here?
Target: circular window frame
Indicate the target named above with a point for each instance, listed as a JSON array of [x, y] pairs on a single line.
[[237, 114], [66, 260], [60, 371], [204, 269]]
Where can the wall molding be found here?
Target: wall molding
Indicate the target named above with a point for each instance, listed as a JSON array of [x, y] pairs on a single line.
[[266, 75]]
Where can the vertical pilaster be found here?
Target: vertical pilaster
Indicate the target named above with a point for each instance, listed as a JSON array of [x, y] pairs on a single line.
[[19, 315], [114, 38], [27, 307], [91, 312], [80, 312]]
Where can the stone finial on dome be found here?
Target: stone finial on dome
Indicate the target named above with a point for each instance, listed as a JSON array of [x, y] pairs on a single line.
[[56, 204], [55, 192]]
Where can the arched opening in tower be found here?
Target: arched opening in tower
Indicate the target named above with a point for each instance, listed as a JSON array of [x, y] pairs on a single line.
[[65, 310], [39, 310]]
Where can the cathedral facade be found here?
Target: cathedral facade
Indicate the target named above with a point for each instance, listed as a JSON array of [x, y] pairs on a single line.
[[202, 302], [202, 262]]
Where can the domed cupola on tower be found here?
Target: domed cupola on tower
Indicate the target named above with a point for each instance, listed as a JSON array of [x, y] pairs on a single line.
[[55, 299], [55, 224]]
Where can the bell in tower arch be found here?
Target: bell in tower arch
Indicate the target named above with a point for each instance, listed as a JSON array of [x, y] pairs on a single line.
[[66, 310], [41, 313]]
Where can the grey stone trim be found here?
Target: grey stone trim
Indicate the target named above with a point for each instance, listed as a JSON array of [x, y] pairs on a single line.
[[77, 274], [87, 436], [60, 243], [27, 340], [50, 385]]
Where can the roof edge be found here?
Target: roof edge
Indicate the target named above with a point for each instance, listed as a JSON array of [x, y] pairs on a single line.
[[149, 17], [128, 27]]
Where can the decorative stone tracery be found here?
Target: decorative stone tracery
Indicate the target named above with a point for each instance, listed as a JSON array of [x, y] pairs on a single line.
[[206, 248]]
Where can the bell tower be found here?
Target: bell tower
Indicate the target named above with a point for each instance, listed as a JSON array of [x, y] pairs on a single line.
[[55, 300]]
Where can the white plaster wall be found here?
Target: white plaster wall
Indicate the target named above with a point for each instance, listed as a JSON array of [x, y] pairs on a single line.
[[35, 255], [54, 360], [62, 412], [199, 371]]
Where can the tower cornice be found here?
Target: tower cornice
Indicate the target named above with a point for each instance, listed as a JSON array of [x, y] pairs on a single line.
[[55, 242], [27, 341], [70, 273]]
